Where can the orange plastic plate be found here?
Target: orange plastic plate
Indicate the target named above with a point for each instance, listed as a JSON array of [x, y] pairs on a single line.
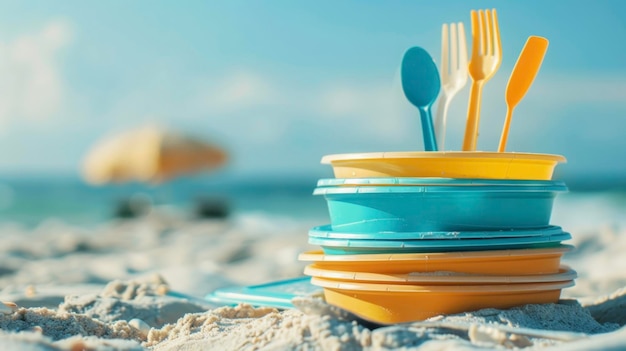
[[386, 303], [439, 278], [495, 262]]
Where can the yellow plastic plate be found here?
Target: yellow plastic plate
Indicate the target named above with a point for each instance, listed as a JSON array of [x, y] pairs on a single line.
[[445, 164], [386, 303], [439, 278], [494, 262]]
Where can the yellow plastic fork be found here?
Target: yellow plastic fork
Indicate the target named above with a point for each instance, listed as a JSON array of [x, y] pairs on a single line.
[[484, 63]]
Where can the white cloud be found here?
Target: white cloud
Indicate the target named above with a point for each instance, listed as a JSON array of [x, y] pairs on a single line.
[[341, 100], [31, 85], [543, 110], [239, 91], [334, 116], [371, 109], [598, 88]]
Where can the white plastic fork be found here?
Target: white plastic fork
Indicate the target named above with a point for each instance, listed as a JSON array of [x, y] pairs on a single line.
[[453, 75]]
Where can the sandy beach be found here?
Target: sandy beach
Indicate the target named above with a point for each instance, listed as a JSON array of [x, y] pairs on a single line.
[[139, 284], [160, 160]]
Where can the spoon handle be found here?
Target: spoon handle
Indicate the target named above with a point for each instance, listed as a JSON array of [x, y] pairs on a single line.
[[473, 116], [428, 131]]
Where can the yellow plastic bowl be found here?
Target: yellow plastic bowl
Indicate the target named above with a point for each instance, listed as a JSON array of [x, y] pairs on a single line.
[[489, 262], [459, 164], [387, 304], [439, 278]]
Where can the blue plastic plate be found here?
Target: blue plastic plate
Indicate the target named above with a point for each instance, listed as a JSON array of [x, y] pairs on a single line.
[[327, 232], [355, 246], [276, 294]]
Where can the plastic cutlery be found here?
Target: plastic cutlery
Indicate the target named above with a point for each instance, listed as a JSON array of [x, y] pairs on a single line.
[[421, 85], [522, 76], [484, 63], [453, 75]]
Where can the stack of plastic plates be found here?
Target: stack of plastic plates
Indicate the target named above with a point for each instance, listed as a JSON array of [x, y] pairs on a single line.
[[414, 235], [397, 298]]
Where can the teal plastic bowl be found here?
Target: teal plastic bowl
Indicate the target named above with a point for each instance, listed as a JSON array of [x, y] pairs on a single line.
[[441, 207]]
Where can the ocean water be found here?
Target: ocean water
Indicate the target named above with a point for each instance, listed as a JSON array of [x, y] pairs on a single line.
[[31, 200]]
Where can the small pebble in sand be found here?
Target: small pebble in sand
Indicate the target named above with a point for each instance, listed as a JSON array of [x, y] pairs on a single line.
[[140, 325], [486, 335], [11, 305], [4, 309], [78, 346], [30, 291], [162, 289]]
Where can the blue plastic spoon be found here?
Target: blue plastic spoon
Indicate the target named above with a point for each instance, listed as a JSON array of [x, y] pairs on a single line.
[[421, 85]]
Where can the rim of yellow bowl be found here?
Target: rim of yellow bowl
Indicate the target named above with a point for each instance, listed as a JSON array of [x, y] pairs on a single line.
[[329, 159]]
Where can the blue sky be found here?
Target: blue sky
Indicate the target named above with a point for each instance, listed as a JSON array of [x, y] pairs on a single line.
[[282, 83]]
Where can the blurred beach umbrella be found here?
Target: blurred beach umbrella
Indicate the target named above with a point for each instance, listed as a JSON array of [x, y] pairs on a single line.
[[149, 154]]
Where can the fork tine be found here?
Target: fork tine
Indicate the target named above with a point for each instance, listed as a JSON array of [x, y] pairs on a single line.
[[491, 19], [475, 34], [496, 33], [488, 23], [445, 67], [462, 47], [453, 48], [483, 32]]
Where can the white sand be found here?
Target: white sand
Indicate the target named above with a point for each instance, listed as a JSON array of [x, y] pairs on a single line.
[[113, 288]]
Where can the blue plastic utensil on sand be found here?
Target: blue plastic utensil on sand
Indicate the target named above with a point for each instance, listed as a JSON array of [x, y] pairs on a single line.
[[421, 84], [276, 294]]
